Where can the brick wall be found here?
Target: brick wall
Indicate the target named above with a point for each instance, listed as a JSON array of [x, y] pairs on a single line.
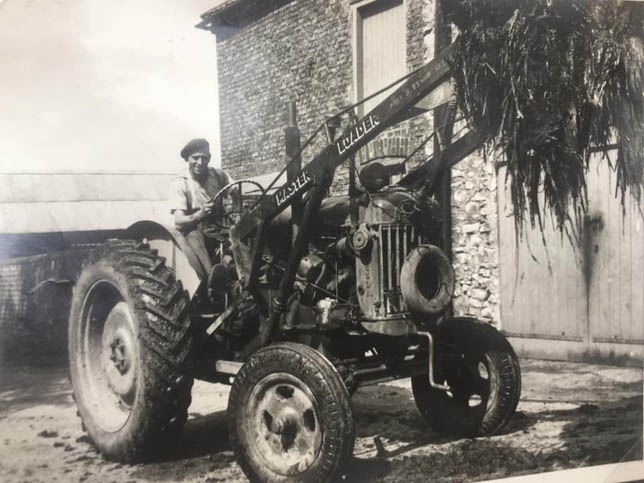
[[301, 52], [34, 311]]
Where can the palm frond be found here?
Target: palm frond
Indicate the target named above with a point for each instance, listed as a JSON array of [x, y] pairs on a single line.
[[545, 81]]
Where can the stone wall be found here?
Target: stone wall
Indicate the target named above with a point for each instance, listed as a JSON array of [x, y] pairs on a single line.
[[475, 239], [474, 221]]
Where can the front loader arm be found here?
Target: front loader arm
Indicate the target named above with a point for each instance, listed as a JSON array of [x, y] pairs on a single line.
[[451, 155], [386, 114], [421, 89]]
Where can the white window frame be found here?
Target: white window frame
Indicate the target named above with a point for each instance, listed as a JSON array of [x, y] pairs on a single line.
[[356, 5]]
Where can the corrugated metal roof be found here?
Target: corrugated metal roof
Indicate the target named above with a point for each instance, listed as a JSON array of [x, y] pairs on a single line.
[[58, 187], [79, 215], [64, 202], [45, 203]]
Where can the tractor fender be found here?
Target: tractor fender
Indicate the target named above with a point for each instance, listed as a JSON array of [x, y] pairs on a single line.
[[172, 245]]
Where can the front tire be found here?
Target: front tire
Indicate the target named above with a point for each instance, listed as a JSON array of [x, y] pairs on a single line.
[[129, 347], [482, 370], [289, 416]]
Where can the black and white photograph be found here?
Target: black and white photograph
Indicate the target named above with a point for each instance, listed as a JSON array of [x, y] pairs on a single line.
[[321, 241]]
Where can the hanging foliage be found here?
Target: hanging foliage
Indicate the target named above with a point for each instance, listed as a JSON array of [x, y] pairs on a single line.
[[545, 81]]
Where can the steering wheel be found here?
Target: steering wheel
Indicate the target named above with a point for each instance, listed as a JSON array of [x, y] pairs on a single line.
[[236, 207]]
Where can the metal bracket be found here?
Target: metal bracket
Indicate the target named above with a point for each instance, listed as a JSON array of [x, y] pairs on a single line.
[[230, 368], [330, 126], [442, 387], [219, 320]]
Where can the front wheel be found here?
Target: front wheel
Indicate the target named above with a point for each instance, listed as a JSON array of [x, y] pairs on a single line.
[[479, 365], [289, 416]]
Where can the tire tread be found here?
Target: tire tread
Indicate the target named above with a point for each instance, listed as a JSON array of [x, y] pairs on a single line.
[[306, 362], [165, 350], [479, 337]]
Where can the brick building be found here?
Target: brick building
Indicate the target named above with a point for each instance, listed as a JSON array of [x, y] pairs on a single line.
[[551, 300]]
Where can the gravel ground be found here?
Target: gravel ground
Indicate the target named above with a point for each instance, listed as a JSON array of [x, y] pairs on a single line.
[[569, 416]]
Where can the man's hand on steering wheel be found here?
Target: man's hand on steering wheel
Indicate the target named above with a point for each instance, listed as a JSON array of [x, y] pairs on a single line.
[[208, 209], [232, 211]]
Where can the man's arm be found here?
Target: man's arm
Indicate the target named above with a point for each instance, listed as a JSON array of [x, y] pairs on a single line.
[[187, 222]]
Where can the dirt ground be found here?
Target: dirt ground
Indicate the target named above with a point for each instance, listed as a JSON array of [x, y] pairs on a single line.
[[570, 415]]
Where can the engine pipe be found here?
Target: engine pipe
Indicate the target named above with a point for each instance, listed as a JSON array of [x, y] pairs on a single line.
[[434, 384], [301, 241], [311, 284]]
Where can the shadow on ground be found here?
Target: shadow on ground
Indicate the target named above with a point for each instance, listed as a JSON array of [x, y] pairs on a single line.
[[570, 415], [591, 435], [203, 449], [556, 427], [25, 386]]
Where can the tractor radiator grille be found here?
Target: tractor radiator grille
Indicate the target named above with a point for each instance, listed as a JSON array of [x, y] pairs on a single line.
[[396, 241]]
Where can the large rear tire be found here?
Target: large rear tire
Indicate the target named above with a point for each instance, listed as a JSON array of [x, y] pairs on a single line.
[[129, 347], [482, 370], [289, 416]]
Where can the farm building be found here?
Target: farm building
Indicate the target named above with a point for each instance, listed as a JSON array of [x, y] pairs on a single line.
[[48, 222], [575, 300], [94, 112]]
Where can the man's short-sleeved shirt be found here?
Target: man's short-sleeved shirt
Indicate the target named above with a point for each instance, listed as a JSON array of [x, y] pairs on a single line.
[[189, 195]]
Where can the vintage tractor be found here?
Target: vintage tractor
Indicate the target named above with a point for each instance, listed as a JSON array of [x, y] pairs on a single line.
[[311, 297]]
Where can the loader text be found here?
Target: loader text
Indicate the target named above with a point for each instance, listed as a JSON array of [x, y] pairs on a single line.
[[358, 132]]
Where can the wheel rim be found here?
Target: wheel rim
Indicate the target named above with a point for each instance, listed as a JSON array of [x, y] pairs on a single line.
[[109, 357], [471, 382], [282, 424]]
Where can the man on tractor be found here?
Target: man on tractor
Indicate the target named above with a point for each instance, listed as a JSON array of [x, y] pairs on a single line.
[[192, 196]]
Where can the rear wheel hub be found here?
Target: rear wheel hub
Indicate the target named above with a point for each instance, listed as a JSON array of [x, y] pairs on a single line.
[[119, 353]]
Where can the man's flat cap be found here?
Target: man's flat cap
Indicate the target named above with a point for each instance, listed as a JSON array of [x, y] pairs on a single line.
[[195, 146]]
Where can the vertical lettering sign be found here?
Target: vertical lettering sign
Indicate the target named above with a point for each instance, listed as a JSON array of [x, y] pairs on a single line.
[[284, 194], [359, 131]]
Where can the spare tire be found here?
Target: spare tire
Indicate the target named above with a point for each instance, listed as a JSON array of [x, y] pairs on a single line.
[[427, 280], [130, 344]]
